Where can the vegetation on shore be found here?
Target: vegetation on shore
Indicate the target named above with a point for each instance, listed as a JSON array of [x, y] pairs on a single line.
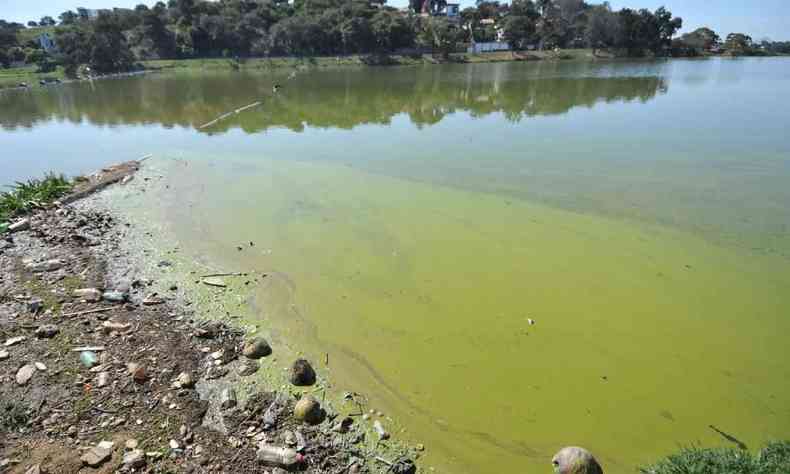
[[89, 42], [25, 197], [773, 459]]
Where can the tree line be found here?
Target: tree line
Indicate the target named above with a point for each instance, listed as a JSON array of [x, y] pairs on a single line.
[[114, 40]]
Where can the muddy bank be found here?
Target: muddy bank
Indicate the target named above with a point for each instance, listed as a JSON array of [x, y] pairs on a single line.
[[105, 368]]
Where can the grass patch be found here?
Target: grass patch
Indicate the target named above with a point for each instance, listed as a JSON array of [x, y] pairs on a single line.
[[13, 415], [773, 459], [25, 197]]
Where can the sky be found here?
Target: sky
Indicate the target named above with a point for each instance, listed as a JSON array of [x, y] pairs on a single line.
[[757, 18]]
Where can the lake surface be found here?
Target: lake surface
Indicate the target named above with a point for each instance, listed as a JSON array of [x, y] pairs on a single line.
[[416, 219]]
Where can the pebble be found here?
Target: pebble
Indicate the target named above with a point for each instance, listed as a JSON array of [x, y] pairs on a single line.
[[134, 459], [185, 380], [4, 355], [103, 379], [227, 398], [174, 444], [88, 359], [115, 296], [41, 366], [47, 331], [92, 295], [14, 340], [131, 444], [25, 373]]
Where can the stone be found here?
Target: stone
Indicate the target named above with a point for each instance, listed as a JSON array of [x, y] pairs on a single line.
[[308, 410], [302, 373], [227, 398], [214, 281], [25, 373], [380, 430], [47, 331], [14, 341], [110, 326], [134, 459], [174, 444], [106, 445], [248, 367], [35, 305], [152, 300], [40, 366], [4, 355], [138, 373], [575, 460], [256, 348], [103, 379], [96, 456], [47, 266], [185, 380], [115, 296], [19, 226], [91, 295]]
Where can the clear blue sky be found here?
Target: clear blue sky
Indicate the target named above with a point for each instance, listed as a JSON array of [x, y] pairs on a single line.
[[758, 18]]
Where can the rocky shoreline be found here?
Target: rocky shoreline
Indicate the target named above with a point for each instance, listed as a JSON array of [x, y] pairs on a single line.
[[102, 371]]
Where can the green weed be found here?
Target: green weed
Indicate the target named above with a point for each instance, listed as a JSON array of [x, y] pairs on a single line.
[[27, 196], [773, 459]]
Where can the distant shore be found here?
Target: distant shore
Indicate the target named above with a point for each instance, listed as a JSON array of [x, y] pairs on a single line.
[[12, 78]]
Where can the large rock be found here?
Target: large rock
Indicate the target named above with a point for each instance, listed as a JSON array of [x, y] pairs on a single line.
[[96, 456], [574, 460], [308, 410], [25, 373], [256, 348], [302, 373]]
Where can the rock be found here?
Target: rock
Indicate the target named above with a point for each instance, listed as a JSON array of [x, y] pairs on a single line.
[[110, 326], [4, 355], [174, 444], [103, 379], [106, 445], [88, 359], [131, 444], [19, 226], [185, 380], [35, 305], [214, 281], [308, 410], [138, 373], [248, 367], [380, 430], [115, 296], [92, 295], [14, 341], [48, 266], [96, 456], [152, 300], [134, 459], [302, 373], [227, 398], [24, 374], [256, 348], [574, 460], [47, 331], [40, 366]]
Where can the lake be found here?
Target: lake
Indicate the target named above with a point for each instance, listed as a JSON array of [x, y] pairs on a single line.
[[416, 219]]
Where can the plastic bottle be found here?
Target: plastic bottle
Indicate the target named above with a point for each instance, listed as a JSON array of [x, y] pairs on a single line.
[[275, 456]]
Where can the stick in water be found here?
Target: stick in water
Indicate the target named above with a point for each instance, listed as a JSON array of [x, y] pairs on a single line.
[[232, 112]]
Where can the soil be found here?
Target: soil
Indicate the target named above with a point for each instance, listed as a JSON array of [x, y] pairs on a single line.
[[143, 344]]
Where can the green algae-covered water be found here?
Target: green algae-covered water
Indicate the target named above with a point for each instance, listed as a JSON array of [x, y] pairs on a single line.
[[414, 220]]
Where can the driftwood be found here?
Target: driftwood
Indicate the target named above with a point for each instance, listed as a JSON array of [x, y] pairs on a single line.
[[226, 115]]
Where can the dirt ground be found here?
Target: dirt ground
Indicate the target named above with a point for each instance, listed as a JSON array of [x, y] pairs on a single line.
[[90, 354]]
